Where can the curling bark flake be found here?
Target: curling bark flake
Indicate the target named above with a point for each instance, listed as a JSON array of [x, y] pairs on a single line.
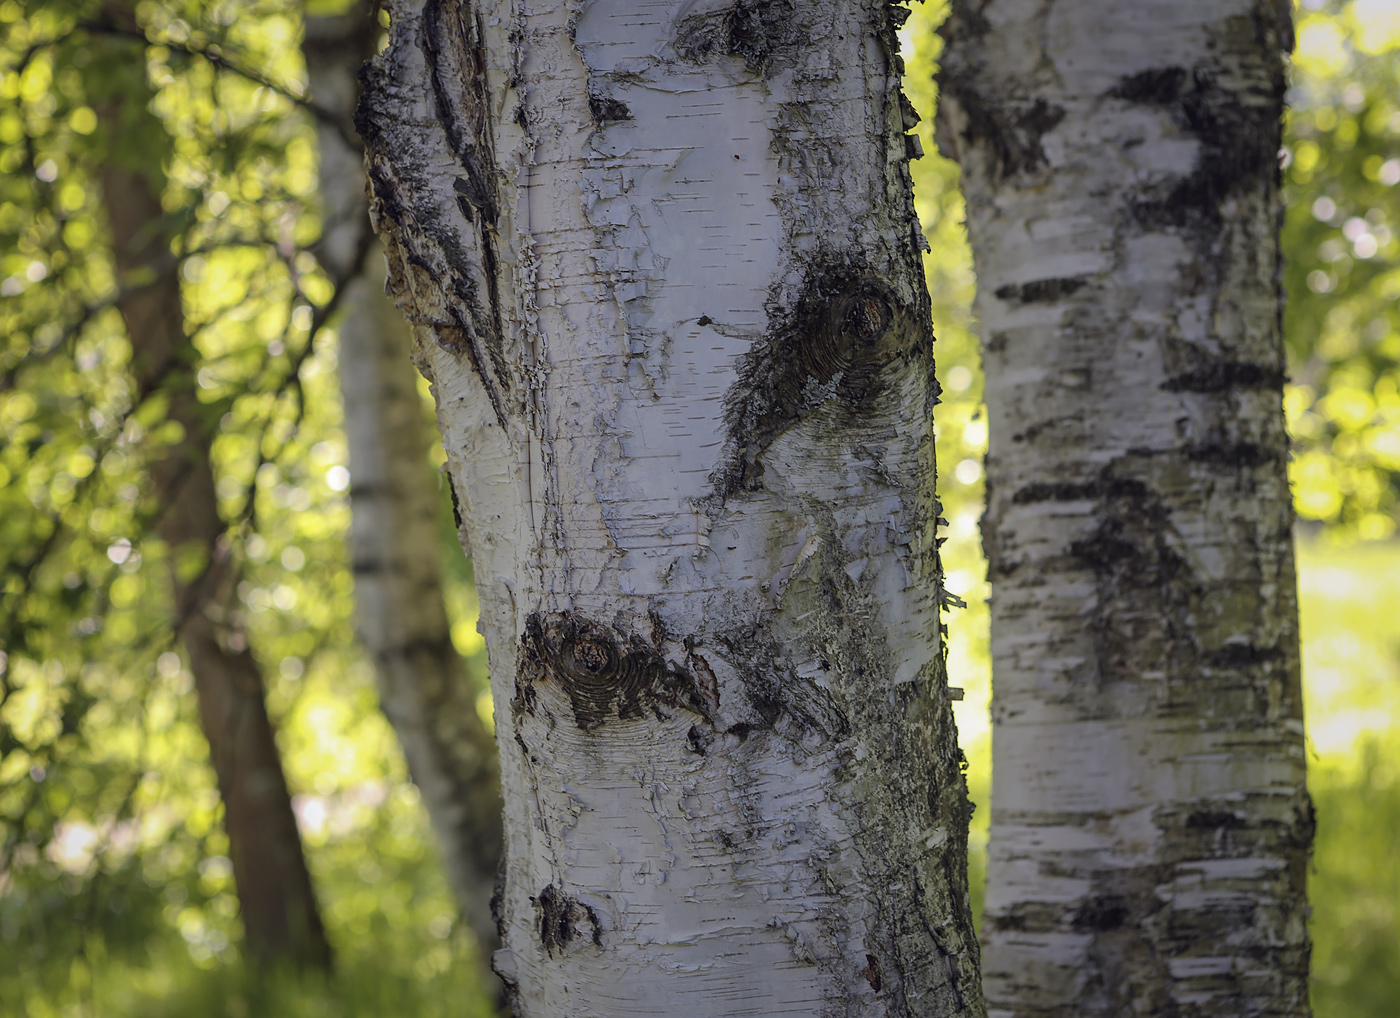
[[1150, 827], [663, 268], [402, 619]]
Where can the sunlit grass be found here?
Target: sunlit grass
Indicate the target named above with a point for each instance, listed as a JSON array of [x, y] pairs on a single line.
[[166, 982], [1350, 606]]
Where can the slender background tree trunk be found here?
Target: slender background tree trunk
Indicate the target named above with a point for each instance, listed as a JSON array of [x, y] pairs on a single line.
[[280, 917], [424, 687], [1150, 827], [663, 269]]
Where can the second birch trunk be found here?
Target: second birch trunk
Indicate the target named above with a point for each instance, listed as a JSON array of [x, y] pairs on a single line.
[[1150, 826]]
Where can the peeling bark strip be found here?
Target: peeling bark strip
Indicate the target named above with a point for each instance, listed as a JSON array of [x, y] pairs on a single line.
[[1150, 827], [664, 272]]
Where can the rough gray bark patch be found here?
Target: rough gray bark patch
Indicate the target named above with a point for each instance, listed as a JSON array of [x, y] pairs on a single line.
[[755, 30], [831, 347], [562, 918], [607, 673]]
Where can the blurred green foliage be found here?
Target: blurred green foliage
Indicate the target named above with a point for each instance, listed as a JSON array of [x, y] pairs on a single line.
[[1342, 240], [116, 895], [1350, 599], [115, 891]]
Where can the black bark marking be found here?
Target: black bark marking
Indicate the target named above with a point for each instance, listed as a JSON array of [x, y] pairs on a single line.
[[705, 678], [1018, 919], [1214, 820], [1010, 130], [658, 627], [965, 26], [384, 190], [1221, 376], [456, 504], [454, 49], [699, 740], [606, 673], [844, 331], [607, 110], [1107, 912], [1113, 487], [1239, 132], [559, 916], [1112, 905], [1157, 86], [1145, 586], [556, 924], [1040, 291], [872, 972], [755, 30], [468, 197], [498, 897], [1243, 655], [460, 338], [498, 914], [456, 58], [524, 700], [1125, 549], [374, 81], [1149, 595], [1233, 455]]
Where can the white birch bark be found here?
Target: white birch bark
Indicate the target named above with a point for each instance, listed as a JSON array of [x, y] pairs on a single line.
[[400, 608], [1150, 827], [663, 269]]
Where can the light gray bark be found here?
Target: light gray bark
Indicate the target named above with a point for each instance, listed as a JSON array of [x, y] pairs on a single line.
[[424, 687], [1150, 827], [663, 269]]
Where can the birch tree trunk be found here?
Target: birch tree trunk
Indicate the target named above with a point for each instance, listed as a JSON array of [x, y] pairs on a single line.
[[402, 618], [663, 269], [281, 920], [1150, 827]]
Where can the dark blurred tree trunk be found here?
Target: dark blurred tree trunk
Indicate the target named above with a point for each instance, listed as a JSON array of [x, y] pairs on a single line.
[[424, 688], [279, 909], [1150, 824]]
